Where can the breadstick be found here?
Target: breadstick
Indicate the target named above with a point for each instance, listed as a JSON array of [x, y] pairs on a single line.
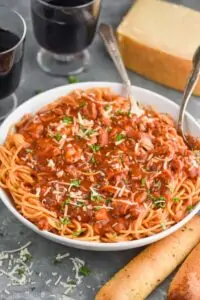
[[186, 283], [147, 270]]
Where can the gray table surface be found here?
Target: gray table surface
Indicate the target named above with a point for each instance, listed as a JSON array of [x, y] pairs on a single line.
[[13, 233]]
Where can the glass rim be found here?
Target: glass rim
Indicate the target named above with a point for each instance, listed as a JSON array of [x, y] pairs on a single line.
[[66, 7], [24, 28]]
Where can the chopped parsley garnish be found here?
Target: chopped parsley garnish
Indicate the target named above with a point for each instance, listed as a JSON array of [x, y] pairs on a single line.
[[129, 113], [68, 120], [90, 132], [39, 91], [78, 232], [20, 271], [159, 202], [66, 202], [29, 150], [72, 79], [85, 132], [119, 137], [120, 112], [123, 113], [65, 221], [143, 182], [158, 184], [92, 160], [27, 256], [108, 201], [149, 194], [71, 282], [107, 107], [190, 208], [84, 271], [176, 199], [75, 182], [82, 104], [97, 207], [95, 196], [80, 204], [95, 147], [58, 137]]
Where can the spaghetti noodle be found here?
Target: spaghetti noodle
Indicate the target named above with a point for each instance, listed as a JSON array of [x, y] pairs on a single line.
[[84, 167]]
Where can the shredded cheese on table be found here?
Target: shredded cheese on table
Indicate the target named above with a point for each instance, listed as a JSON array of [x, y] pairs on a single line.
[[17, 266]]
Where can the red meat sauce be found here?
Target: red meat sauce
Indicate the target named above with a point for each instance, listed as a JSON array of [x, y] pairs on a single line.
[[99, 164]]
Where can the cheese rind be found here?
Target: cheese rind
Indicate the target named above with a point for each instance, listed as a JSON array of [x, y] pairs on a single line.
[[151, 41]]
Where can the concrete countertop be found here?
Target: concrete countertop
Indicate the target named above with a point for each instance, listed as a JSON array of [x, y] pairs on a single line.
[[13, 234]]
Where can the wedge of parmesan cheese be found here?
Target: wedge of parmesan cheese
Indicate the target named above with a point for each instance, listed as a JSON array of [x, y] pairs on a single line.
[[157, 39]]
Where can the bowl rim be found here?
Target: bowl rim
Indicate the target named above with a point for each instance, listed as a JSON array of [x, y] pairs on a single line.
[[82, 244]]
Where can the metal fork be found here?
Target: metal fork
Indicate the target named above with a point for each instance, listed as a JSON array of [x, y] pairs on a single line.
[[108, 36], [190, 86]]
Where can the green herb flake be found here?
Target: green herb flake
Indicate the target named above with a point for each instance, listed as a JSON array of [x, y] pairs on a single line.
[[176, 199], [119, 112], [95, 197], [68, 120], [58, 137], [29, 150], [27, 257], [92, 160], [119, 137], [159, 202], [108, 201], [158, 184], [66, 202], [190, 208], [129, 113], [65, 221], [95, 148], [97, 207], [90, 132], [78, 232], [107, 107], [82, 104], [71, 282], [39, 91], [72, 79], [123, 113], [75, 183], [20, 271], [84, 271], [80, 204], [143, 182]]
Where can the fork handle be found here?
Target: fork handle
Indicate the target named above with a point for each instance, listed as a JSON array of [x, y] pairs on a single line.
[[192, 81], [108, 36]]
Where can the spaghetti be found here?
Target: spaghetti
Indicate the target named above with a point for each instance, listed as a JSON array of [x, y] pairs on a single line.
[[84, 167]]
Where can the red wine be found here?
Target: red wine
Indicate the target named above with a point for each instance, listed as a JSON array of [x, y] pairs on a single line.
[[64, 30], [10, 63]]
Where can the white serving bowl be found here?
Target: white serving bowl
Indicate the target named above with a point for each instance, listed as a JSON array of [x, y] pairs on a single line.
[[146, 97]]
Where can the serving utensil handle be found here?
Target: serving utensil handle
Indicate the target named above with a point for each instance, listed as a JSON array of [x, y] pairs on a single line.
[[108, 36], [192, 81]]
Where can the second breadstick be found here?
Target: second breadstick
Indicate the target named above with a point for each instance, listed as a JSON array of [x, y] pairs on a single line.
[[147, 270]]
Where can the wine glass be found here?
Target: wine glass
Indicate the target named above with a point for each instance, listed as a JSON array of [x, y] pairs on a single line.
[[64, 32], [12, 37]]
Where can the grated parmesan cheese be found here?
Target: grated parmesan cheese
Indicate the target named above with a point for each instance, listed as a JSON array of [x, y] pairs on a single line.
[[51, 164]]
